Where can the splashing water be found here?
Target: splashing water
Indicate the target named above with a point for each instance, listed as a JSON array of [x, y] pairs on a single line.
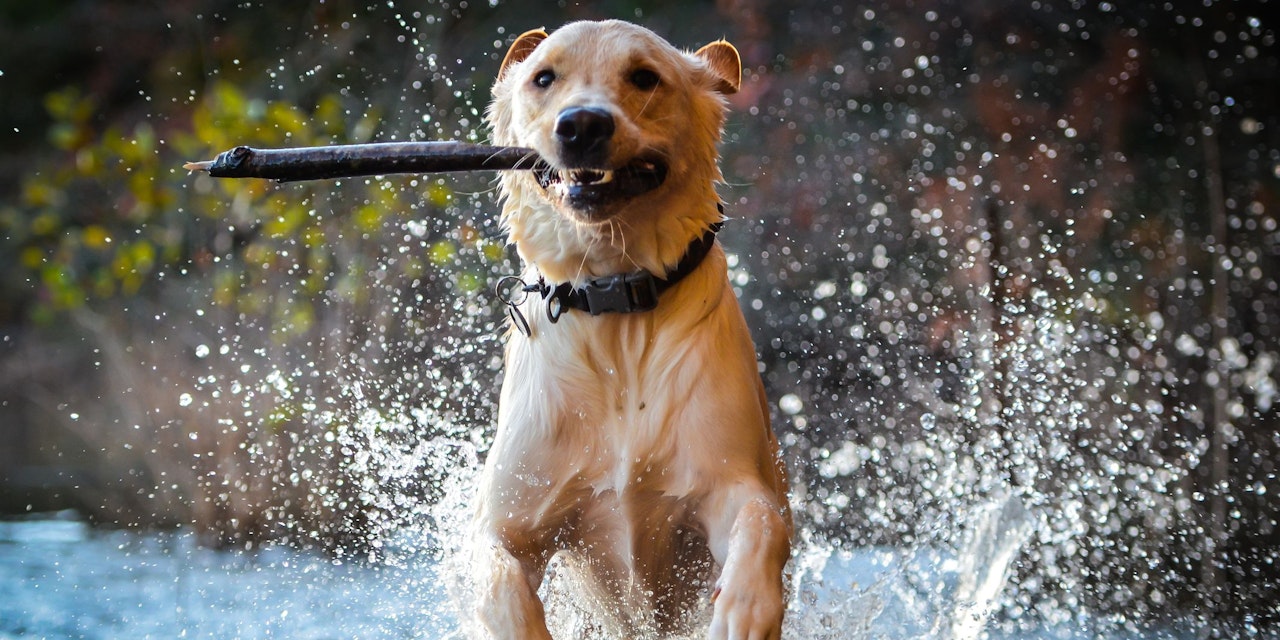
[[414, 465]]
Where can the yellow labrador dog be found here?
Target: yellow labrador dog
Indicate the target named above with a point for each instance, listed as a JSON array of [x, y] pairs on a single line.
[[633, 430]]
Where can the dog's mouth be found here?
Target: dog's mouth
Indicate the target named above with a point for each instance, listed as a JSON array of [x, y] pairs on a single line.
[[591, 190]]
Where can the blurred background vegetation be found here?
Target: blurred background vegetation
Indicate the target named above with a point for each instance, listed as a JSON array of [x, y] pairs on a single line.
[[1013, 246]]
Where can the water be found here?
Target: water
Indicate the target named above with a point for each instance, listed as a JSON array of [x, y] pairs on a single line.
[[59, 578]]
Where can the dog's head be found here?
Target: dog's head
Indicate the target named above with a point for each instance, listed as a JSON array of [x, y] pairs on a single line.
[[627, 123]]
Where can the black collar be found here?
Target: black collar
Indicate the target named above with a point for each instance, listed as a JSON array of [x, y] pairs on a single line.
[[618, 293], [624, 292]]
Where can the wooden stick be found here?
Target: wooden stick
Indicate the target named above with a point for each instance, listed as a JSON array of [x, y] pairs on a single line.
[[353, 160]]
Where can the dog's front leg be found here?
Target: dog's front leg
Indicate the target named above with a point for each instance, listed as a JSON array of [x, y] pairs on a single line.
[[508, 607], [750, 539]]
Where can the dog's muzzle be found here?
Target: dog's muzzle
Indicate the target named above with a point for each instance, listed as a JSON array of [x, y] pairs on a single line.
[[586, 183]]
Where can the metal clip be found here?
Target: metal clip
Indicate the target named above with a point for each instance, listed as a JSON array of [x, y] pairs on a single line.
[[512, 291]]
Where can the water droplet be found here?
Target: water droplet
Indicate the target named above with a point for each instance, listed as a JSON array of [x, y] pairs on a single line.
[[790, 404]]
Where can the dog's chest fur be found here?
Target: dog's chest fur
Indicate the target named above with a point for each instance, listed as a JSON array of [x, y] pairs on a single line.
[[614, 393]]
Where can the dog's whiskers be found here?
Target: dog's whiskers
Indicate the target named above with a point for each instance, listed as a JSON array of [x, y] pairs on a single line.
[[622, 234], [614, 232], [527, 161], [595, 237], [647, 101]]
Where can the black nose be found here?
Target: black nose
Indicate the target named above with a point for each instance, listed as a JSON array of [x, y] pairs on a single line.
[[584, 134]]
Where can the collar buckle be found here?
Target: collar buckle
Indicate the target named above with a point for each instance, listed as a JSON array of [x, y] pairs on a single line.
[[621, 293]]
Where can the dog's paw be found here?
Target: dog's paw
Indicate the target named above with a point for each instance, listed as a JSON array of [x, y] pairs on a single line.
[[746, 612]]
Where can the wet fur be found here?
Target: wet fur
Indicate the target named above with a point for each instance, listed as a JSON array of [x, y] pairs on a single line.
[[638, 442]]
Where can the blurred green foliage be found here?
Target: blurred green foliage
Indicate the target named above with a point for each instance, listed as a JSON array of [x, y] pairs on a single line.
[[124, 94], [112, 213]]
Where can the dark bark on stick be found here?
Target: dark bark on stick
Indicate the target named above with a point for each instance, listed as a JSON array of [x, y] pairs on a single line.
[[349, 161]]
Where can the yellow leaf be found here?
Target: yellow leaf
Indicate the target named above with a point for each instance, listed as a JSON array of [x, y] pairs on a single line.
[[492, 251], [439, 195], [44, 224], [38, 193], [442, 252], [32, 257], [368, 218], [95, 237], [143, 254]]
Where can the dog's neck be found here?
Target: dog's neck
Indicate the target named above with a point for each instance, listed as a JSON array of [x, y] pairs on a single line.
[[561, 250], [635, 291]]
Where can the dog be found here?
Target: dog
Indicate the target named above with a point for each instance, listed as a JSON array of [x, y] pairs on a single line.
[[633, 430]]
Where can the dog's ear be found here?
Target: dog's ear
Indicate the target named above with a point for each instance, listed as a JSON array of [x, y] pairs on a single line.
[[722, 60], [521, 48]]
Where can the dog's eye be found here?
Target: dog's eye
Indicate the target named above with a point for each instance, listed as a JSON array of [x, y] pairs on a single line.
[[644, 79], [544, 78]]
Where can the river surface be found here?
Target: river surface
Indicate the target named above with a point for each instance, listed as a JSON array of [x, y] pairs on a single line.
[[60, 578]]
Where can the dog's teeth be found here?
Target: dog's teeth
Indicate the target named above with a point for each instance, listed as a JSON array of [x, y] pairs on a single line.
[[584, 177]]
